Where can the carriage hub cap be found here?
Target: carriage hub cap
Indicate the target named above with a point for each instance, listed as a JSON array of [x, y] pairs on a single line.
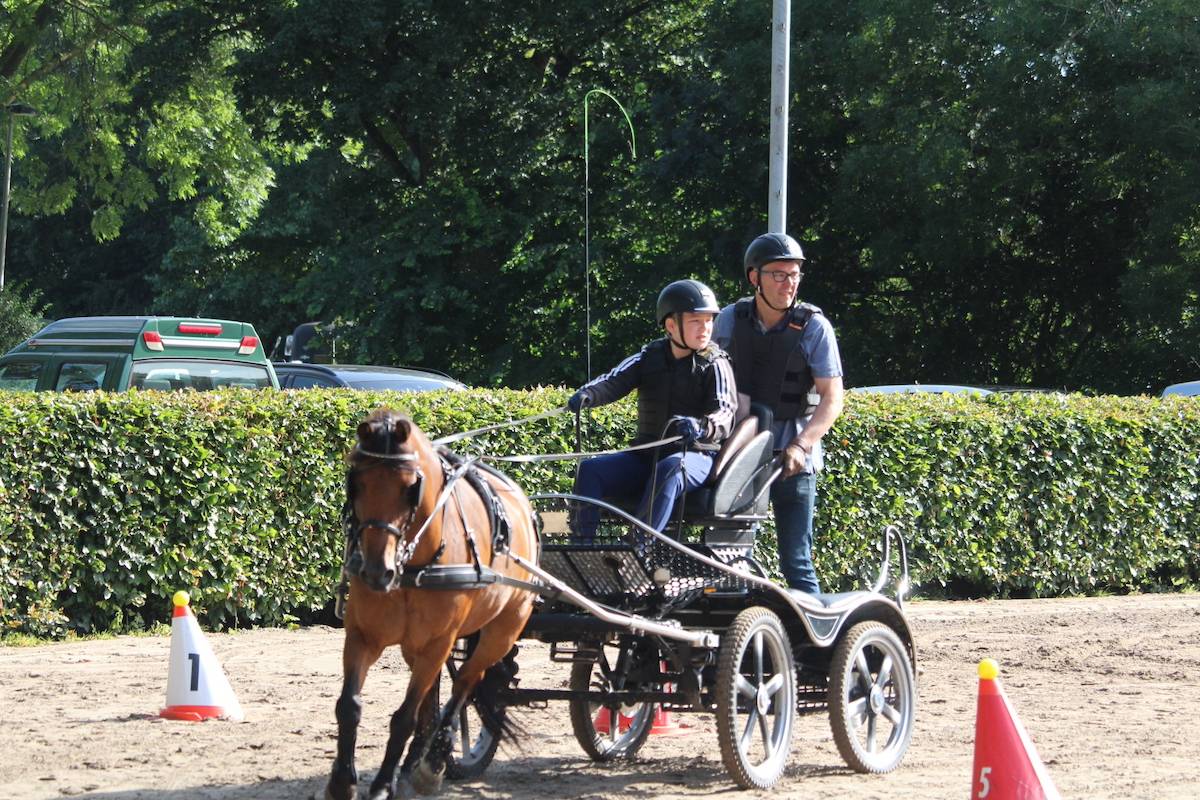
[[877, 702], [762, 700]]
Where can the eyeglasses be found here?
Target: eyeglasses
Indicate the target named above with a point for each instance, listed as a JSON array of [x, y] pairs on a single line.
[[783, 277]]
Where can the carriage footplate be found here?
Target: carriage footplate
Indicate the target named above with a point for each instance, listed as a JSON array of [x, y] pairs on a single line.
[[609, 557]]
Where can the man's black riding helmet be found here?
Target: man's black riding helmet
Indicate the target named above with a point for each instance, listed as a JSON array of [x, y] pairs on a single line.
[[772, 247], [683, 296]]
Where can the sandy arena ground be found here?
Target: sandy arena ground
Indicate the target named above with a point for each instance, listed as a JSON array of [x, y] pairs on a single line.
[[1108, 689]]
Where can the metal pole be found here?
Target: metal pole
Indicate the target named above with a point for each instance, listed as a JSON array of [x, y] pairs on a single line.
[[781, 24], [4, 202]]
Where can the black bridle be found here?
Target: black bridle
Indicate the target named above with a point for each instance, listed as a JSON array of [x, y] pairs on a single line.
[[404, 548]]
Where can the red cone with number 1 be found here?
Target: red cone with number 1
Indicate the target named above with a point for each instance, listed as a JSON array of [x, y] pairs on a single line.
[[1007, 766], [196, 687]]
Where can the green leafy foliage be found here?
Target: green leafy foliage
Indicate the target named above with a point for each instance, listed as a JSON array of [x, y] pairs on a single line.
[[21, 316], [111, 502], [1027, 495]]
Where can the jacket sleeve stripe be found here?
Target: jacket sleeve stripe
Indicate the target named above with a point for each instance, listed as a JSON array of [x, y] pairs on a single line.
[[616, 383], [721, 421]]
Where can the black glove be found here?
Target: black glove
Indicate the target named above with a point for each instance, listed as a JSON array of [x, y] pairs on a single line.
[[689, 428], [579, 401]]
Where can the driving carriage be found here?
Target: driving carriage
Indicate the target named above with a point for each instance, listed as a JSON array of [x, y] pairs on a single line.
[[680, 622], [689, 621]]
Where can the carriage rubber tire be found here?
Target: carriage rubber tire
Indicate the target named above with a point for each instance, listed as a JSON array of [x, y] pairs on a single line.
[[843, 673], [583, 722], [735, 641]]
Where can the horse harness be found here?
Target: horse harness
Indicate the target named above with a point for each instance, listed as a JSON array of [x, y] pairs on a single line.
[[433, 575]]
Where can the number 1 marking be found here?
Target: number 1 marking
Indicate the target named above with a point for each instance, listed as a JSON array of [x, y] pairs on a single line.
[[195, 659]]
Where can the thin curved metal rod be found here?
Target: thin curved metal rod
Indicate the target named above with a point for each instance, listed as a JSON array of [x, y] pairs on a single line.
[[587, 255]]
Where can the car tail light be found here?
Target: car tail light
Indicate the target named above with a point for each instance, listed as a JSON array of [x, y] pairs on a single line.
[[152, 340], [203, 329], [248, 346]]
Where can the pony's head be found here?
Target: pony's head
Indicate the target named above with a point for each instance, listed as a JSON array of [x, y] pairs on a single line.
[[385, 489]]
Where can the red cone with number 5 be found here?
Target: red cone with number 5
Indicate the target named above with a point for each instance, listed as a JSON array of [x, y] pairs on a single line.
[[196, 687], [1007, 766]]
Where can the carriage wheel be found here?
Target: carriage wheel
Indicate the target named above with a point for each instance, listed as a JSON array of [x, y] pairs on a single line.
[[872, 698], [628, 725], [473, 746], [756, 698]]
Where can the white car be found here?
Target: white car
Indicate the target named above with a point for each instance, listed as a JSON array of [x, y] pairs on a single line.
[[914, 388], [1189, 389]]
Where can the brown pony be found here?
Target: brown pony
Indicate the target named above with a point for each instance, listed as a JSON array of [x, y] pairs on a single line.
[[395, 482]]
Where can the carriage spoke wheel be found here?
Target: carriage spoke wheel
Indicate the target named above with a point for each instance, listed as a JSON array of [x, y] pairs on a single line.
[[872, 698], [756, 698], [628, 725], [473, 746]]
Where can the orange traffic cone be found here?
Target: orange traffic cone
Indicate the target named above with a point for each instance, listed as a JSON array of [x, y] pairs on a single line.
[[662, 725], [1007, 766], [196, 687], [603, 722]]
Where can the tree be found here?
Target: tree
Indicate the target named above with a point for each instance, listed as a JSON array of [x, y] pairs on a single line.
[[109, 136], [20, 315], [1007, 178]]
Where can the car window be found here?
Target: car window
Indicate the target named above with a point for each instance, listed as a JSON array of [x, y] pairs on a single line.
[[311, 382], [80, 376], [20, 376], [197, 375]]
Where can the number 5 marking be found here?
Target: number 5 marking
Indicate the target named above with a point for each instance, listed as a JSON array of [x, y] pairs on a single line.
[[985, 786]]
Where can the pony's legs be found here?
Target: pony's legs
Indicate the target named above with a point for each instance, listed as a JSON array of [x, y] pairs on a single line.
[[357, 658], [421, 732], [495, 641], [426, 669]]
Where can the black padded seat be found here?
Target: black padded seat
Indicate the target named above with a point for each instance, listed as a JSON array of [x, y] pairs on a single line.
[[740, 457]]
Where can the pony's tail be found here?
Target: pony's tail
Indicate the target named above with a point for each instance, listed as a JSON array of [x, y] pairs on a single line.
[[490, 704]]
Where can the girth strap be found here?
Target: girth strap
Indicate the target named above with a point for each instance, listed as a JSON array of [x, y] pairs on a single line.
[[458, 576]]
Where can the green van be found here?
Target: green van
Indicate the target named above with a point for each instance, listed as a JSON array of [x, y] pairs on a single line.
[[118, 353]]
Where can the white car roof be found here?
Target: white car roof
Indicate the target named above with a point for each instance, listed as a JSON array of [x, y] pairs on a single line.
[[1189, 388]]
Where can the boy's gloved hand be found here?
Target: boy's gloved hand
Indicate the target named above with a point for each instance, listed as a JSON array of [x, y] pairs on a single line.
[[689, 428], [579, 401]]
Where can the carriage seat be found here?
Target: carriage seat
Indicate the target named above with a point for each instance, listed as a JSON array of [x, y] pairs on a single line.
[[735, 468], [726, 488]]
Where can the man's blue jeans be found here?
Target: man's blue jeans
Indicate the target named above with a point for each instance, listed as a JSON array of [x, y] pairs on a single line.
[[627, 474], [794, 499]]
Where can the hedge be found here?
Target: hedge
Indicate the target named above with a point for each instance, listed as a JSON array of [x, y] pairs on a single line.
[[110, 502]]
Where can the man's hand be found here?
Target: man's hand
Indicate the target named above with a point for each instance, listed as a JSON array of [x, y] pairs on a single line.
[[688, 428], [579, 401], [794, 459]]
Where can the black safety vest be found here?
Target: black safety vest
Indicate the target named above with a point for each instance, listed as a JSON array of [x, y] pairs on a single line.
[[771, 367], [668, 387]]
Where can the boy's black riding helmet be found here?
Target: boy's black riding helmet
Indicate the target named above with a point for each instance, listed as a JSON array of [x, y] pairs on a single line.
[[772, 247], [683, 296]]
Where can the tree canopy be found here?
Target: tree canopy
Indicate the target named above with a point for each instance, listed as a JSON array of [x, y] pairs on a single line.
[[999, 192]]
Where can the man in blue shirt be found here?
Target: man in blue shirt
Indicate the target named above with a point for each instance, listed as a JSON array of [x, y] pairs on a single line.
[[685, 387], [785, 357]]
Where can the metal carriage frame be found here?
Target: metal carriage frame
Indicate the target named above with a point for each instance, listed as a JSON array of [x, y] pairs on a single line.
[[651, 623]]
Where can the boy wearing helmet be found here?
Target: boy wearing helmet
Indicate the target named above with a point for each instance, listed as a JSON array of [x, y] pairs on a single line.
[[685, 388], [785, 357]]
